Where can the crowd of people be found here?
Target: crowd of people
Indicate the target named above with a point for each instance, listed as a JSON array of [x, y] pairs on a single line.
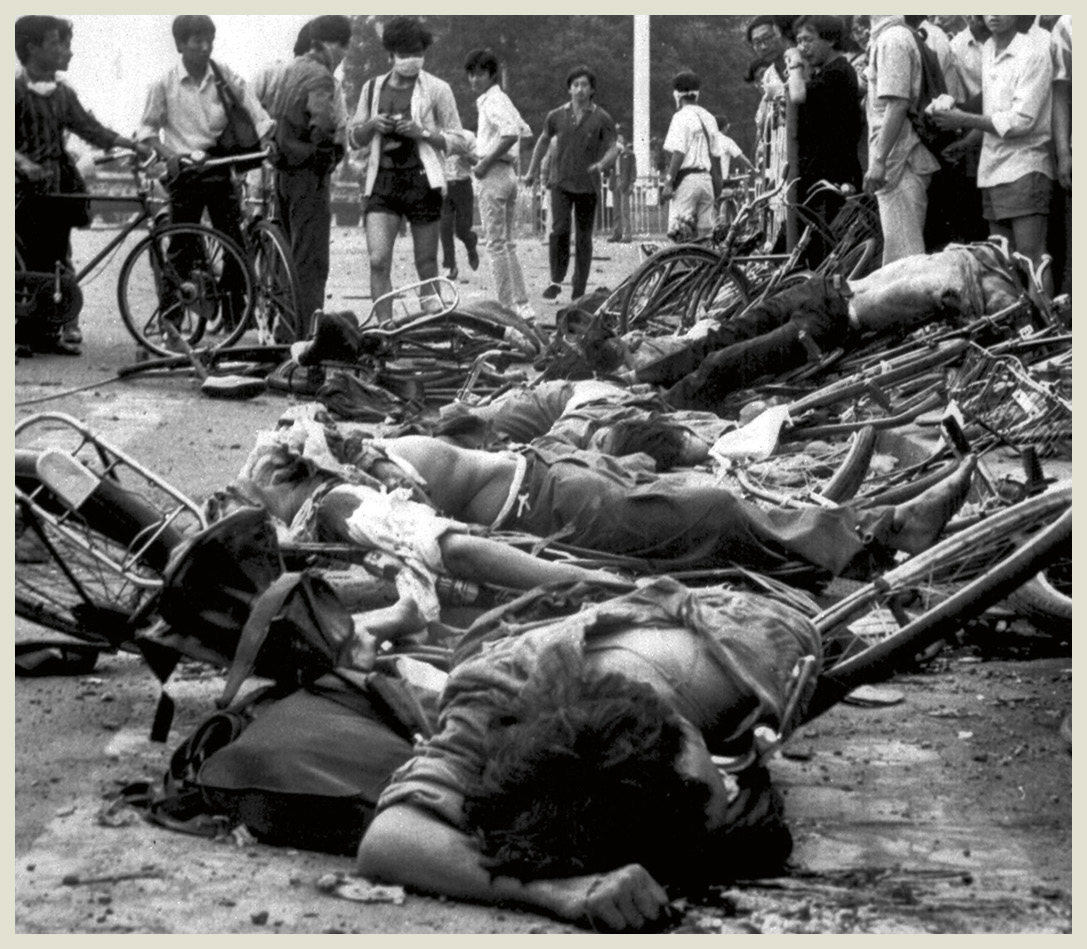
[[617, 704]]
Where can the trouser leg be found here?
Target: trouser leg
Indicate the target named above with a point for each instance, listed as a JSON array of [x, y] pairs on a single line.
[[584, 218], [449, 250], [559, 244], [305, 200], [902, 212]]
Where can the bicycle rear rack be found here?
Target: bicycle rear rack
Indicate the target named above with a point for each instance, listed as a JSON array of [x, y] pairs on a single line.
[[71, 463]]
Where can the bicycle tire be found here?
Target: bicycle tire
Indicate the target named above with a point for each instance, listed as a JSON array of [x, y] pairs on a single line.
[[154, 288], [663, 281], [858, 261], [1046, 598], [721, 294], [70, 584], [958, 578], [276, 307]]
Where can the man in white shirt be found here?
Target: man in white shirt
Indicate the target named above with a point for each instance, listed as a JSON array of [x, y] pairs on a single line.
[[497, 141], [899, 166], [730, 151], [693, 179]]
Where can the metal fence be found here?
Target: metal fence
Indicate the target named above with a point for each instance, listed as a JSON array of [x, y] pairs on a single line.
[[648, 212]]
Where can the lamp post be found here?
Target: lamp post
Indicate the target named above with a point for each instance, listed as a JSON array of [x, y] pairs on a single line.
[[641, 93]]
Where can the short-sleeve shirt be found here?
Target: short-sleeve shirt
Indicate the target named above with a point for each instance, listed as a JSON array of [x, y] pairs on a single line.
[[1017, 94], [748, 643], [729, 151], [498, 118], [693, 134], [577, 146], [964, 75], [894, 71]]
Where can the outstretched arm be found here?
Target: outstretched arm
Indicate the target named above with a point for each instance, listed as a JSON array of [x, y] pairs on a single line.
[[408, 846], [483, 560]]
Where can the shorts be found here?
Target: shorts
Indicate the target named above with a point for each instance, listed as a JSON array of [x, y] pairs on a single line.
[[406, 193], [1024, 197]]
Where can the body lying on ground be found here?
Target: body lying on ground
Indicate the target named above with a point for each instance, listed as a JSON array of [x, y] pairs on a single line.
[[623, 506], [571, 772]]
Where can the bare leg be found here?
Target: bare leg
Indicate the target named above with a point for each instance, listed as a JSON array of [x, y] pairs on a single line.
[[381, 233], [424, 239], [374, 628], [1030, 237], [918, 523]]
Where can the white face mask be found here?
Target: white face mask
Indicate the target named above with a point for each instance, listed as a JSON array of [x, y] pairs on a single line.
[[408, 65], [43, 88], [680, 96]]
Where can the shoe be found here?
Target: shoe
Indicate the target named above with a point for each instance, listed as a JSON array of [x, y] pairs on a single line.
[[451, 273], [473, 258], [58, 347], [72, 335], [552, 292], [336, 338]]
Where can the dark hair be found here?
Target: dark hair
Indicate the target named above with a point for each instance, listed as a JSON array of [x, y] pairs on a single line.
[[406, 34], [481, 60], [581, 778], [32, 31], [722, 121], [1024, 23], [581, 71], [752, 74], [829, 28], [913, 20], [187, 26], [686, 81], [663, 442], [784, 25], [330, 29], [302, 44]]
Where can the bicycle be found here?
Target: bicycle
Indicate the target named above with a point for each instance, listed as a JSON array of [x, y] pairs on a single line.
[[186, 275], [277, 308]]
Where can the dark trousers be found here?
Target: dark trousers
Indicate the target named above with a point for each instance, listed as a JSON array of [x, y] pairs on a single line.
[[44, 238], [583, 208], [190, 196], [458, 211], [764, 341], [305, 206]]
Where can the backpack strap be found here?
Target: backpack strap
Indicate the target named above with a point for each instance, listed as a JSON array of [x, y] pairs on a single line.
[[255, 632]]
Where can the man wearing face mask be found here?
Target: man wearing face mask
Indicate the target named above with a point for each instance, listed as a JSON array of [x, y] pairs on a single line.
[[402, 118], [693, 180], [584, 136], [310, 143], [46, 109]]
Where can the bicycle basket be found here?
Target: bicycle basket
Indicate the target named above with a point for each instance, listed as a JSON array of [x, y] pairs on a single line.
[[998, 393]]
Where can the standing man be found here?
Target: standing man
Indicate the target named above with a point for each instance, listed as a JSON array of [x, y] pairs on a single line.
[[585, 146], [498, 138], [309, 146], [184, 116], [623, 174], [693, 181], [46, 109], [459, 204], [899, 166]]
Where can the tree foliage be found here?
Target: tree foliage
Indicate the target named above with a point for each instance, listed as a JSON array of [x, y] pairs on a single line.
[[536, 52]]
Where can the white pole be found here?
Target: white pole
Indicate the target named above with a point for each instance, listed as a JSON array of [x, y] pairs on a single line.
[[641, 94]]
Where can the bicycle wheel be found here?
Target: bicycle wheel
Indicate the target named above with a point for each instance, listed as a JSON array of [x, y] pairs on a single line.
[[185, 276], [1046, 599], [722, 294], [277, 309], [662, 284], [930, 596]]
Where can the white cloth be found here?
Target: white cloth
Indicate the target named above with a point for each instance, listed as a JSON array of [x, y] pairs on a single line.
[[498, 117], [964, 75], [693, 133], [1017, 94]]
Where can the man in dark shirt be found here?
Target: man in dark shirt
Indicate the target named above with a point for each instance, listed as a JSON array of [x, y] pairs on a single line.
[[824, 87], [45, 110], [310, 143], [585, 146]]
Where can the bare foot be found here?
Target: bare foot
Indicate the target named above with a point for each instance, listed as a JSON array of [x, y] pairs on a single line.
[[918, 523]]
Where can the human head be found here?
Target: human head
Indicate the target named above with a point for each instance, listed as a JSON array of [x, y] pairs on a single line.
[[194, 37], [765, 36], [481, 65], [302, 44], [406, 36], [686, 87], [581, 82], [583, 776], [37, 32], [1001, 25], [861, 29], [755, 71], [723, 124], [664, 443], [333, 33], [620, 133], [950, 24], [819, 37]]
